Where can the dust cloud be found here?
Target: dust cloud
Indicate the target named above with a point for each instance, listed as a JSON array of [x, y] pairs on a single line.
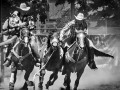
[[108, 69]]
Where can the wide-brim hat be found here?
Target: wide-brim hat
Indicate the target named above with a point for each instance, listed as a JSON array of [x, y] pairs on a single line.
[[15, 13], [24, 7], [80, 16]]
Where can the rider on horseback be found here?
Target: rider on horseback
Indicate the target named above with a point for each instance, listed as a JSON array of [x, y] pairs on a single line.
[[17, 20], [79, 23], [11, 28]]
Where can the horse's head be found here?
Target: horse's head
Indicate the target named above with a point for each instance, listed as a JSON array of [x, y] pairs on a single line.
[[25, 35], [81, 37], [54, 40]]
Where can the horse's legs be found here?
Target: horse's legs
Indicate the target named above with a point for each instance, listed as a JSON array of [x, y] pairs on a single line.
[[55, 77], [41, 79], [26, 77], [78, 78], [52, 79], [13, 76], [67, 80]]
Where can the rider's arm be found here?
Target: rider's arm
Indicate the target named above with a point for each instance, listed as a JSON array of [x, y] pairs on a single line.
[[5, 28], [21, 24], [66, 28], [5, 25]]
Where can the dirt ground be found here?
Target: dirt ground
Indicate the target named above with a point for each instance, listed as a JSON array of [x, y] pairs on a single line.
[[101, 79]]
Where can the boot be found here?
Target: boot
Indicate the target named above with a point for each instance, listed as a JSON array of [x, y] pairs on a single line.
[[91, 62]]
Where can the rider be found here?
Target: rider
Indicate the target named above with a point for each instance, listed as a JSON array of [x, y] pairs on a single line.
[[79, 23], [29, 22], [13, 23], [10, 27]]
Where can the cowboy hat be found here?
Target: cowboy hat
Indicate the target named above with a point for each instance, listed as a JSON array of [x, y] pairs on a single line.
[[24, 7], [15, 13], [80, 16]]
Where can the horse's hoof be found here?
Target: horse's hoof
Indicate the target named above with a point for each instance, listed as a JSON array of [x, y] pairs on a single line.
[[47, 86], [65, 83], [40, 88], [75, 89], [24, 89], [11, 86], [68, 88], [62, 88], [24, 86], [40, 85], [30, 83]]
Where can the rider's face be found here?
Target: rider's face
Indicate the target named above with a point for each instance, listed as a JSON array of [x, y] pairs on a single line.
[[14, 16]]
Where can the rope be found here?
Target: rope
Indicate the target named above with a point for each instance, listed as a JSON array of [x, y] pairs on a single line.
[[36, 74]]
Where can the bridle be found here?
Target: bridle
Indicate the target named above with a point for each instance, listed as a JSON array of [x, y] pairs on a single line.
[[25, 35], [23, 39], [80, 34]]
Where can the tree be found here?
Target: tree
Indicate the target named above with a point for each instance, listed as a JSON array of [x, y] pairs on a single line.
[[97, 9], [11, 5], [69, 1]]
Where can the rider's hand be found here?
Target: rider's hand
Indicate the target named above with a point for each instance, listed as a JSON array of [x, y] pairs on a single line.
[[21, 24]]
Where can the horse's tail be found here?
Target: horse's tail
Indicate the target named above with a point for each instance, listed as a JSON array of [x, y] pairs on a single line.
[[99, 53]]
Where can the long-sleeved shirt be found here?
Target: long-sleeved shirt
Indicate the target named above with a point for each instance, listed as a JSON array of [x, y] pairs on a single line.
[[11, 22], [66, 28]]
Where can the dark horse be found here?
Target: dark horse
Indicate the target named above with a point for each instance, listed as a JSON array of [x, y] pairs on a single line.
[[22, 59], [77, 59], [53, 58]]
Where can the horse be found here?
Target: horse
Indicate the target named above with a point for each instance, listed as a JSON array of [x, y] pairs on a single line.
[[55, 61], [22, 58], [76, 58], [39, 47], [53, 58]]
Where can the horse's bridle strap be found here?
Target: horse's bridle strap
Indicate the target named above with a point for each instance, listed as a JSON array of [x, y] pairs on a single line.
[[18, 56]]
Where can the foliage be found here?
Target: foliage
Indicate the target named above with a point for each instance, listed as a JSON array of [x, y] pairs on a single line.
[[11, 5], [97, 10], [93, 9]]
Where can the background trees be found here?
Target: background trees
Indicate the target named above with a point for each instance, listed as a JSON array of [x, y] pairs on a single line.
[[38, 6], [94, 9]]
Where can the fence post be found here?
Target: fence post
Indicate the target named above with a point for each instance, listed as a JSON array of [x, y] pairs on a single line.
[[2, 60]]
